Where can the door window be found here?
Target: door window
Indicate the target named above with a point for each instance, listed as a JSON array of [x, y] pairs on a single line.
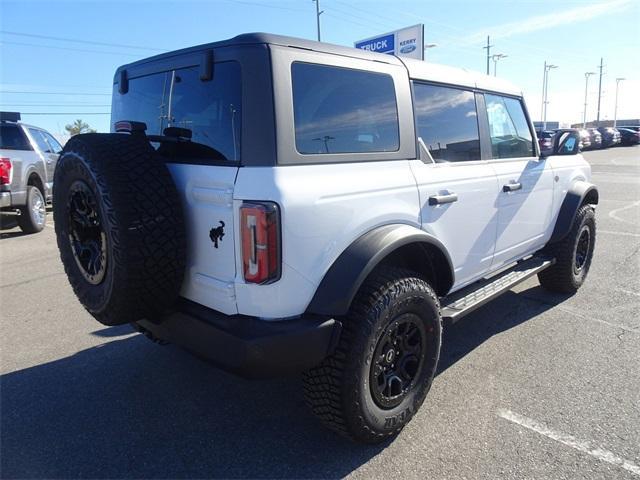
[[341, 110], [42, 144], [508, 127], [53, 143], [447, 122]]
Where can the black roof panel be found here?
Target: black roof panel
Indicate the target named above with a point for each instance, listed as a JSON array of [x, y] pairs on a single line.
[[272, 39]]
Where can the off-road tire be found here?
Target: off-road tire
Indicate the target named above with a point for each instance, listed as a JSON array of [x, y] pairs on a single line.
[[338, 391], [563, 276], [27, 220], [141, 218]]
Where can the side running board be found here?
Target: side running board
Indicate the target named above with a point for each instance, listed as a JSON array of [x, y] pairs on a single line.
[[458, 304]]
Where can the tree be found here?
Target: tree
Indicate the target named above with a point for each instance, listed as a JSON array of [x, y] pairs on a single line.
[[78, 127]]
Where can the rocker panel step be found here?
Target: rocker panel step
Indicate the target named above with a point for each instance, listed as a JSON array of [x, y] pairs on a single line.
[[458, 304]]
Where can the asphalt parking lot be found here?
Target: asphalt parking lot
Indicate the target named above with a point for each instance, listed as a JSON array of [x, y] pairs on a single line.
[[532, 385]]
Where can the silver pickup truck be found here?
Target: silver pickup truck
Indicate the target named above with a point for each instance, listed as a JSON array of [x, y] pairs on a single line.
[[28, 157]]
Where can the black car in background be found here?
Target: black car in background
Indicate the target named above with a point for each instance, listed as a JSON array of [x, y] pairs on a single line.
[[610, 136], [635, 128], [629, 137], [545, 140], [596, 138]]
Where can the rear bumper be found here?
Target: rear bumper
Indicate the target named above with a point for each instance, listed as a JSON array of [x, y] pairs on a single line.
[[5, 199], [248, 346]]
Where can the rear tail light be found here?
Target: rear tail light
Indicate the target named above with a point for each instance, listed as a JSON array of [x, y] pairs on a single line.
[[260, 236], [5, 171]]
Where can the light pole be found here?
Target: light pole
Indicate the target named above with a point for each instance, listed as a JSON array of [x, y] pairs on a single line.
[[495, 58], [545, 91], [586, 86], [427, 46], [318, 13], [615, 110]]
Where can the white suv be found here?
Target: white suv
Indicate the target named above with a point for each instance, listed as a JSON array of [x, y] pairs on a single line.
[[278, 205]]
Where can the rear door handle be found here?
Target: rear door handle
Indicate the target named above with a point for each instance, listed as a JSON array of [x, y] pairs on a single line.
[[512, 187], [441, 199]]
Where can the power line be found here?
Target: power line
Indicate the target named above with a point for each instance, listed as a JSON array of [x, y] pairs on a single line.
[[54, 93], [51, 105], [76, 40], [2, 42], [66, 113]]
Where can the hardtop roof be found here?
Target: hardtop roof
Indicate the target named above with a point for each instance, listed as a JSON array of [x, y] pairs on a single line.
[[417, 69]]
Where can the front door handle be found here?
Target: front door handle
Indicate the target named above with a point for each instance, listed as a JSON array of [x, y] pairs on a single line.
[[512, 187], [441, 199]]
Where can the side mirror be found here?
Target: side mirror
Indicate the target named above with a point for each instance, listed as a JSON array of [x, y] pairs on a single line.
[[566, 143]]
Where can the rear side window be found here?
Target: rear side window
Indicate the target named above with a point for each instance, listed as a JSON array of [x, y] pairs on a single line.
[[13, 138], [340, 110], [447, 122], [40, 141], [211, 110], [508, 127]]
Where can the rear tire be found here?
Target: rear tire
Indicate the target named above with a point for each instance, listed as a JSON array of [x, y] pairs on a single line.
[[119, 226], [383, 366], [573, 255], [33, 216]]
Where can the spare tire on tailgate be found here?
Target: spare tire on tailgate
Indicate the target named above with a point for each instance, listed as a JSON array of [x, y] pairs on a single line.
[[119, 226]]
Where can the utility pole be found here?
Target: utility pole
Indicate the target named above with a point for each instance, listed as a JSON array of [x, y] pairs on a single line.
[[615, 110], [586, 87], [488, 47], [318, 13], [495, 58], [599, 92]]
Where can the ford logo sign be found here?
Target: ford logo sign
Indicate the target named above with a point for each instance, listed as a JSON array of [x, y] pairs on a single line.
[[408, 48]]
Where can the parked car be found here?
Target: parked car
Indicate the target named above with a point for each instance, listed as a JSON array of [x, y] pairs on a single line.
[[545, 140], [610, 136], [629, 137], [295, 215], [28, 157], [635, 128], [585, 139], [596, 138]]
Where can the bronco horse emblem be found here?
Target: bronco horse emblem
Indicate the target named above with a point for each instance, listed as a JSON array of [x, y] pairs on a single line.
[[216, 234]]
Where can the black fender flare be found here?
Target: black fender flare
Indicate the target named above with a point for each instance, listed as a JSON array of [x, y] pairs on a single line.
[[579, 193], [345, 276]]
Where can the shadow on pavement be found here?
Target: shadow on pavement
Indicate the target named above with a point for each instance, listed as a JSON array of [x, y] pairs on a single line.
[[506, 312], [132, 409]]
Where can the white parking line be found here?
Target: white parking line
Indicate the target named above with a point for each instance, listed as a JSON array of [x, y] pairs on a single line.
[[624, 234], [570, 441], [614, 213]]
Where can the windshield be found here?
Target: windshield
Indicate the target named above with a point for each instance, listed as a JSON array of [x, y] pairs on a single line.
[[211, 110]]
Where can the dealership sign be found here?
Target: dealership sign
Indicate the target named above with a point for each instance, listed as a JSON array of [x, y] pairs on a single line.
[[407, 42]]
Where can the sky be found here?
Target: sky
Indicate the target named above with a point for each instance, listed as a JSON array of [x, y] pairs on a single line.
[[57, 58]]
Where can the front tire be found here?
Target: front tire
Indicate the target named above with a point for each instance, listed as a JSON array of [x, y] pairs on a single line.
[[33, 216], [383, 366], [573, 255]]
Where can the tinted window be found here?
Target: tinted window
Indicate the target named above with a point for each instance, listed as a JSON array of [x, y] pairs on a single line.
[[339, 110], [447, 122], [37, 136], [508, 127], [57, 148], [178, 98], [12, 138]]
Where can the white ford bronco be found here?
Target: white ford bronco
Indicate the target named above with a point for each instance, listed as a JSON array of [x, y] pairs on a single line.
[[277, 205]]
